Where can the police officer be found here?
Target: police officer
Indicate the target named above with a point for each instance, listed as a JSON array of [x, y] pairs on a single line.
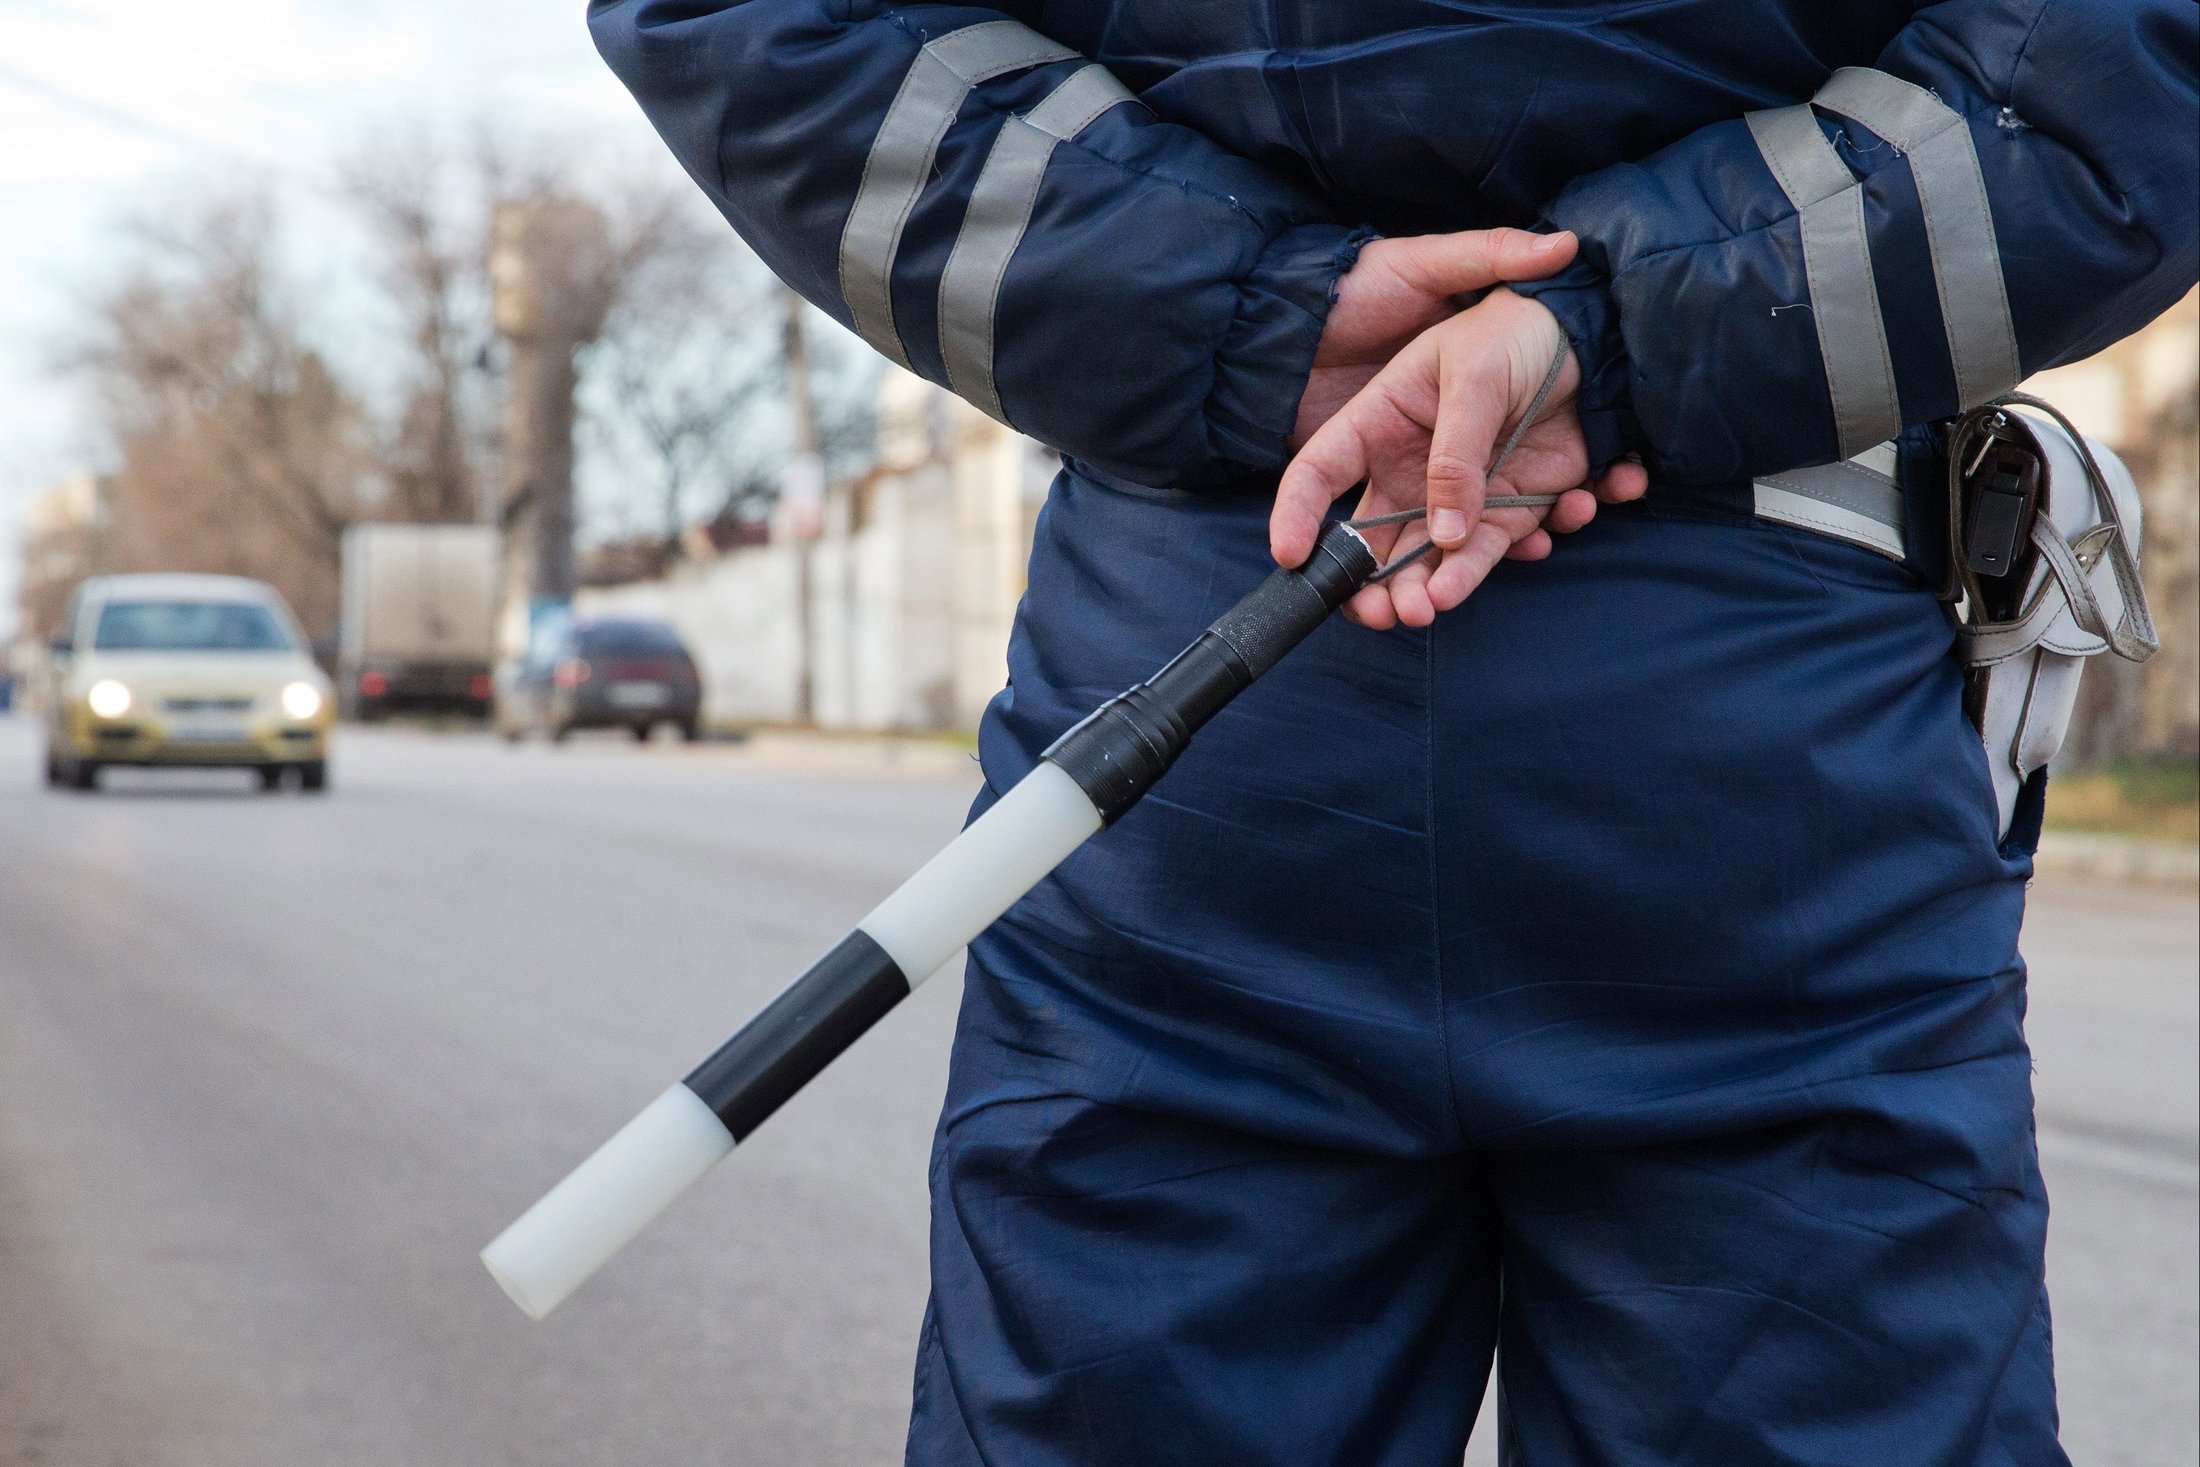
[[1618, 977]]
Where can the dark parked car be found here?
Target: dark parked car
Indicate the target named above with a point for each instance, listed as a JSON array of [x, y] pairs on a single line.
[[607, 672]]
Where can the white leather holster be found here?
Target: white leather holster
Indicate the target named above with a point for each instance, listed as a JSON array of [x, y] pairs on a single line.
[[2082, 596]]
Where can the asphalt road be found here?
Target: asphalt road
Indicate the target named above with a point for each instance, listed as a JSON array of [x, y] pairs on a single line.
[[273, 1068]]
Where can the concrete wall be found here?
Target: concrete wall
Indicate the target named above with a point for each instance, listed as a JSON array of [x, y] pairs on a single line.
[[733, 612], [913, 584]]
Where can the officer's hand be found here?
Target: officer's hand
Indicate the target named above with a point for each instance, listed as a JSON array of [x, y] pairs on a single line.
[[1401, 287], [1424, 430]]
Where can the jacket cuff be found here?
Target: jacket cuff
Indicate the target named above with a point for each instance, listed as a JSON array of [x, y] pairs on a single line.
[[1581, 297], [1267, 352]]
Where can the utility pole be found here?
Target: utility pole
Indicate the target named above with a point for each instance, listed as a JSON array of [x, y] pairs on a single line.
[[551, 271], [802, 502]]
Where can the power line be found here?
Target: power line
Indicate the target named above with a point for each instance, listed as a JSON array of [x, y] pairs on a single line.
[[170, 41], [100, 112]]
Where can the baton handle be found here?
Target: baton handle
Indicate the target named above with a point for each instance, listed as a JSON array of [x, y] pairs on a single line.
[[1118, 752]]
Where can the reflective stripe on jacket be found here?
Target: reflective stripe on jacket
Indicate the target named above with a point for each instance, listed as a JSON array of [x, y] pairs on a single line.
[[1116, 224]]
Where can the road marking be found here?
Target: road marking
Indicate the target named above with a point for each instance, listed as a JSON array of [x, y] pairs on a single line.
[[2133, 1163]]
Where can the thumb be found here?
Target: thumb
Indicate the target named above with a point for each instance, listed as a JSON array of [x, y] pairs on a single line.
[[1476, 259]]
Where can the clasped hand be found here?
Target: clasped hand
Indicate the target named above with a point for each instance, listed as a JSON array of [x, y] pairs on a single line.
[[1414, 395]]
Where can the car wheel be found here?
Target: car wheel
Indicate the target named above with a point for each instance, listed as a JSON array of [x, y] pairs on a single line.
[[640, 731], [271, 777], [53, 768], [313, 776], [84, 775], [691, 732]]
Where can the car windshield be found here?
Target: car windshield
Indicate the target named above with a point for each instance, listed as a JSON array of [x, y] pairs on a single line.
[[189, 626], [629, 639]]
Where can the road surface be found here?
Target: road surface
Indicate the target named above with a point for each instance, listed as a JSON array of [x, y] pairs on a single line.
[[273, 1068]]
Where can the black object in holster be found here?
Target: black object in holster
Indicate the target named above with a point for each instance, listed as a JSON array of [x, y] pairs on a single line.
[[1994, 493], [1995, 479], [1128, 742]]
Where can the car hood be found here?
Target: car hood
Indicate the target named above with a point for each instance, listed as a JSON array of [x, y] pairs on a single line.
[[203, 674]]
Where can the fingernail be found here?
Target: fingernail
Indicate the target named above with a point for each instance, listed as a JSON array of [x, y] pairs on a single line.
[[1447, 526], [1545, 243]]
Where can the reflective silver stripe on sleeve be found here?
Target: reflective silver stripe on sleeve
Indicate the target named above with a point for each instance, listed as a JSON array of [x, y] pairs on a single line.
[[901, 160], [1959, 224], [1837, 266], [1857, 500], [1000, 211]]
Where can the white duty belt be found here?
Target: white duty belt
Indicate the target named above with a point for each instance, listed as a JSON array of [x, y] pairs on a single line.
[[1858, 500]]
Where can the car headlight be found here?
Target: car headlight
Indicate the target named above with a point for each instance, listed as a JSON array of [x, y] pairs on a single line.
[[108, 698], [301, 700]]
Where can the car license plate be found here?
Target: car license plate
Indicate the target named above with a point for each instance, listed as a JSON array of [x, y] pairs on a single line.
[[639, 695], [205, 731]]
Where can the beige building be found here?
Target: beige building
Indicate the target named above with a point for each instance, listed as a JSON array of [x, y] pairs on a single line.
[[63, 537]]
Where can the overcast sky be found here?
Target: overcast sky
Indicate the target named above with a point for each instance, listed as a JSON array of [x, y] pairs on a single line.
[[113, 104]]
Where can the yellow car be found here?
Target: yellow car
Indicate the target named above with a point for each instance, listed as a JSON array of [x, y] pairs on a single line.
[[184, 670]]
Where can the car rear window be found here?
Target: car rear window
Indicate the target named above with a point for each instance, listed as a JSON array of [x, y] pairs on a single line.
[[189, 626], [630, 639]]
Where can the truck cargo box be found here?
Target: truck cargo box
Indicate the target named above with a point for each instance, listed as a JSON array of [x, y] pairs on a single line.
[[419, 618]]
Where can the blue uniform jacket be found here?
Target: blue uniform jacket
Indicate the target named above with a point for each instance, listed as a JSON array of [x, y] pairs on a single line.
[[1116, 224]]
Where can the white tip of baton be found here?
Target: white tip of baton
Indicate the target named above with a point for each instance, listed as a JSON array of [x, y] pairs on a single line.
[[556, 1244]]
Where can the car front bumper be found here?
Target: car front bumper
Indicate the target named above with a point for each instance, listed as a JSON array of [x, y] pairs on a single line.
[[152, 739]]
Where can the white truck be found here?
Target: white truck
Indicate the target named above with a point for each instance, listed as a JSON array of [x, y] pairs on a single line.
[[419, 619]]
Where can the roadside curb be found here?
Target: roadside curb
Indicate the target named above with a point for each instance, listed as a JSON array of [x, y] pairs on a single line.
[[2117, 858], [804, 751]]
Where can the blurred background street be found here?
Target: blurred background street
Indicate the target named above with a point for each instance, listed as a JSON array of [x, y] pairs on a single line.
[[271, 1070], [375, 389]]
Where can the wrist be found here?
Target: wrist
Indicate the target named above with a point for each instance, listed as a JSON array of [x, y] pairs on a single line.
[[1529, 316], [1580, 296], [1266, 358], [1535, 338]]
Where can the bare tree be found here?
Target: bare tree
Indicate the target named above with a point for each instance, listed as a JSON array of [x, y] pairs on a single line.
[[427, 220], [236, 448], [238, 444], [681, 364], [690, 378]]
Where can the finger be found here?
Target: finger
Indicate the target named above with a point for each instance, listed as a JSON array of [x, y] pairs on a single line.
[[1575, 508], [1403, 591], [1470, 411], [1334, 459], [1465, 568], [1517, 524], [1370, 607], [1475, 259], [1535, 545], [1373, 504], [1409, 595], [1625, 480]]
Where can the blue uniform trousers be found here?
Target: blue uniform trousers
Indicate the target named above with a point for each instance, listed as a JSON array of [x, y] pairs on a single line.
[[1619, 978]]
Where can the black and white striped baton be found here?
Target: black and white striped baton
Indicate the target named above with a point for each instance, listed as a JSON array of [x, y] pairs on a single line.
[[1084, 781]]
